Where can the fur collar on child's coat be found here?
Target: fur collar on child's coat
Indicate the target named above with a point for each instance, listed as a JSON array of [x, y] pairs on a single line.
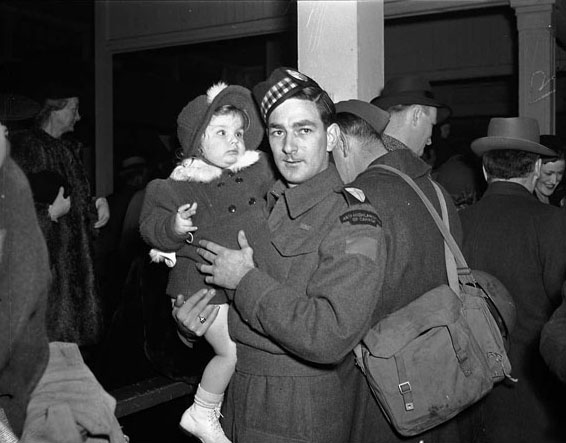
[[197, 170]]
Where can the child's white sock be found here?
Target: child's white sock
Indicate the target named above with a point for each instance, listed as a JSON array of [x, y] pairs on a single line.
[[205, 398]]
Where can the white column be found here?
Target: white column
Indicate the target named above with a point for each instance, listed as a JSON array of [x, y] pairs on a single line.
[[340, 45], [537, 61]]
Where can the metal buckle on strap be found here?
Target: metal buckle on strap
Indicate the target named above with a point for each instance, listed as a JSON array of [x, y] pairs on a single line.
[[404, 388]]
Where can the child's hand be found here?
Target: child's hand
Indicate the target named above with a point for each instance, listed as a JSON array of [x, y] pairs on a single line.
[[183, 222]]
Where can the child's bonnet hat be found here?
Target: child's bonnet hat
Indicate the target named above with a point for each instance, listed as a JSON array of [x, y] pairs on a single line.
[[195, 117]]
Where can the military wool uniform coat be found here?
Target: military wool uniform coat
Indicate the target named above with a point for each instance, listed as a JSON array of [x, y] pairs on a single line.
[[414, 263], [296, 317]]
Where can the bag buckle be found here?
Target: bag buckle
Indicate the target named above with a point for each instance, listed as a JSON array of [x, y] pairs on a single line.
[[405, 390], [404, 387]]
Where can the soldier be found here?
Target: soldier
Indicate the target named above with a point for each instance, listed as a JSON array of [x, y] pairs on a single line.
[[414, 262], [297, 316]]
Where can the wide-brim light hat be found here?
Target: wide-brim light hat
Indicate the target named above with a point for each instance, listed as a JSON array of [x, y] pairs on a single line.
[[195, 117], [410, 90], [376, 117], [516, 133]]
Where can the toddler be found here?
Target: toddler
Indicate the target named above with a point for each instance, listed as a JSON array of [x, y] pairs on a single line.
[[216, 191]]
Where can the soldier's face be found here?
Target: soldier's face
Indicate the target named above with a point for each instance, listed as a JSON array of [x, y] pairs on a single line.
[[299, 141]]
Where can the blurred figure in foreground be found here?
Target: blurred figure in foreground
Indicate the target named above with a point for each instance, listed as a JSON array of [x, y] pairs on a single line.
[[47, 394]]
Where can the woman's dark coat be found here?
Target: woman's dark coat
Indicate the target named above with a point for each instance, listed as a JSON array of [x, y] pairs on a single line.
[[74, 307]]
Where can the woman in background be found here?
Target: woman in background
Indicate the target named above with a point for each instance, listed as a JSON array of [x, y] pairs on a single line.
[[549, 188], [67, 215]]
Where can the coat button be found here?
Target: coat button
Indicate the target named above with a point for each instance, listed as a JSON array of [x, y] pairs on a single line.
[[239, 180], [252, 201], [220, 184], [231, 209]]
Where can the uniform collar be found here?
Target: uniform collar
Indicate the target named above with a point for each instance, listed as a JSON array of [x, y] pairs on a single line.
[[305, 196], [402, 158]]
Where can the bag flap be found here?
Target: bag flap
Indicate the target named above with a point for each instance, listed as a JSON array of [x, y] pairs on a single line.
[[438, 307]]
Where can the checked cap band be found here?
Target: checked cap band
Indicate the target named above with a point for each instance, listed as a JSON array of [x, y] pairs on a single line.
[[275, 93], [282, 84]]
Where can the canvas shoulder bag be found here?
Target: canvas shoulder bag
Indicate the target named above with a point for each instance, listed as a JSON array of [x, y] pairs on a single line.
[[439, 354]]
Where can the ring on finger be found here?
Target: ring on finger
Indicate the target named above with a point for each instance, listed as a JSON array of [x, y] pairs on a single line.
[[201, 319]]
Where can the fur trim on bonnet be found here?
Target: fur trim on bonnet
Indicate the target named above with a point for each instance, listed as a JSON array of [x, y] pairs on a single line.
[[197, 170], [195, 117]]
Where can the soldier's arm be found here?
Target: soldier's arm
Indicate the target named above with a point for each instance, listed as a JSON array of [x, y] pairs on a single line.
[[341, 297]]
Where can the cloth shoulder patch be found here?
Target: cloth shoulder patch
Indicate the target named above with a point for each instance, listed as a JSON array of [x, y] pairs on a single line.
[[360, 217], [357, 193], [362, 245]]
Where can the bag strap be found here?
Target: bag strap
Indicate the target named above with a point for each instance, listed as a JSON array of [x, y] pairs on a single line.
[[462, 268], [451, 268]]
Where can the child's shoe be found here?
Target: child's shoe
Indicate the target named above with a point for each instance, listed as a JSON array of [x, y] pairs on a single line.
[[202, 422]]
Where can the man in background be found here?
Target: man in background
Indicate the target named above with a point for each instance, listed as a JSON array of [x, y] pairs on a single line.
[[519, 240]]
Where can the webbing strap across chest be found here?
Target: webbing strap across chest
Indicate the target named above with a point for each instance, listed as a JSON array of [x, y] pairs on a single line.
[[456, 266]]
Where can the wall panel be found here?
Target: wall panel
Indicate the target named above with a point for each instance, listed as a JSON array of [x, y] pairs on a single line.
[[466, 46], [135, 25]]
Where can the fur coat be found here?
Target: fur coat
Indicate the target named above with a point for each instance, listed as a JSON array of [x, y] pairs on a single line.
[[74, 312]]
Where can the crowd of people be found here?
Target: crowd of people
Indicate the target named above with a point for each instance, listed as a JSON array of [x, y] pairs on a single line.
[[282, 258]]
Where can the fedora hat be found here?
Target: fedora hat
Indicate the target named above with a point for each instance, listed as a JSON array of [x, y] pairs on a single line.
[[517, 133], [376, 117], [410, 90]]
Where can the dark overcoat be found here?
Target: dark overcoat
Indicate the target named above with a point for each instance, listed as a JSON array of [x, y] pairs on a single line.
[[521, 241], [553, 342]]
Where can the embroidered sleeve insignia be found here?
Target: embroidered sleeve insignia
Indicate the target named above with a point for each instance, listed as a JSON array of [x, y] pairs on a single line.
[[360, 217]]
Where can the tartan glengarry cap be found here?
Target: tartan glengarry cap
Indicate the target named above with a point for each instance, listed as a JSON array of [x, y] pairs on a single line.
[[282, 84]]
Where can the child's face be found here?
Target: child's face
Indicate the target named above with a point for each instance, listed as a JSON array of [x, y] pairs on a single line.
[[223, 140]]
